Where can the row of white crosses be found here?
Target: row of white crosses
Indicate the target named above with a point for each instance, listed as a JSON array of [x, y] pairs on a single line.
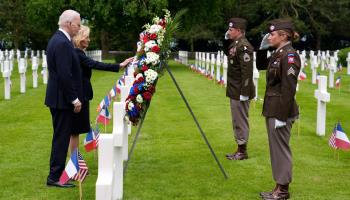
[[202, 62], [324, 60], [183, 57], [205, 63], [7, 62], [95, 55], [113, 149]]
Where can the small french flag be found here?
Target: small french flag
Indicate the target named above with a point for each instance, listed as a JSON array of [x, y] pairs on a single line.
[[71, 169]]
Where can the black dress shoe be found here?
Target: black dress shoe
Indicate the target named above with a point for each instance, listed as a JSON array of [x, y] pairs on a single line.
[[58, 184]]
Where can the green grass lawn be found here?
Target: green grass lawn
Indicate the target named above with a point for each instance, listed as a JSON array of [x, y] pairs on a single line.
[[171, 160]]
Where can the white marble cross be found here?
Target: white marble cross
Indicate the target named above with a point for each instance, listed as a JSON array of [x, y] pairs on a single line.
[[44, 71], [109, 184], [314, 65], [35, 66], [348, 66], [203, 63], [332, 70], [218, 64], [323, 60], [322, 97], [22, 71], [302, 60], [212, 69], [196, 60], [224, 66], [207, 68], [6, 74], [319, 55], [256, 76]]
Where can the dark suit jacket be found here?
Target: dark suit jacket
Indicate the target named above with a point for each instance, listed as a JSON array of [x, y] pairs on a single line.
[[87, 64], [65, 75]]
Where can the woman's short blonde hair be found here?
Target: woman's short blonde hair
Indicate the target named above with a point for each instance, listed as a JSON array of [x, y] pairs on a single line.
[[82, 34]]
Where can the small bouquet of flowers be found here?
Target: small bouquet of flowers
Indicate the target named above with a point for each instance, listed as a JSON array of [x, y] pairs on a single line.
[[152, 51]]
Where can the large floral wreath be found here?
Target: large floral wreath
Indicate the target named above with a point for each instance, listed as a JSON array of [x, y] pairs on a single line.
[[152, 52]]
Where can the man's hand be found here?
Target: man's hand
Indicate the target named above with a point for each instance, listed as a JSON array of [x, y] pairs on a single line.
[[126, 62], [265, 42], [77, 106]]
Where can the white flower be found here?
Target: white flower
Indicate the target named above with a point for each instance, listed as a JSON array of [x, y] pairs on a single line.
[[139, 75], [155, 28], [151, 76], [130, 106], [139, 98], [152, 57], [147, 73], [149, 45], [156, 20], [139, 46], [148, 79]]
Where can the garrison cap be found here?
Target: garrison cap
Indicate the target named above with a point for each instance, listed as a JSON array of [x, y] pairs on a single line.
[[239, 23], [280, 24]]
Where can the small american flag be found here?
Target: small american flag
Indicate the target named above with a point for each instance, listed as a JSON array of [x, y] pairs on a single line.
[[96, 132], [83, 169], [331, 141]]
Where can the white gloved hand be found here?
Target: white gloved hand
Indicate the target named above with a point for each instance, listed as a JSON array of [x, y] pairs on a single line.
[[279, 124], [243, 98], [265, 42], [227, 36]]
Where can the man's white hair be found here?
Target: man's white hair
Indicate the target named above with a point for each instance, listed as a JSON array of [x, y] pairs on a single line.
[[67, 16]]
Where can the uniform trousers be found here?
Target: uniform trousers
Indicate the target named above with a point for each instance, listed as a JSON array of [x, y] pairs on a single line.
[[280, 153], [240, 120]]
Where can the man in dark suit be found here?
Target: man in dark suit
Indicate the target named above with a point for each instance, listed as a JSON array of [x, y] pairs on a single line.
[[64, 91]]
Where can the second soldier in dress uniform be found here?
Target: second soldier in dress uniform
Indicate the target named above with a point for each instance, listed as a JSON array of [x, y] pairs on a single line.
[[280, 108], [240, 86]]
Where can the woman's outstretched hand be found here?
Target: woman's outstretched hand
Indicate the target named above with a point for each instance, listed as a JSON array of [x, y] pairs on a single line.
[[126, 62]]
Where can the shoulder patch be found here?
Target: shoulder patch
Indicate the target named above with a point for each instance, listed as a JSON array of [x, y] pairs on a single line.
[[291, 58]]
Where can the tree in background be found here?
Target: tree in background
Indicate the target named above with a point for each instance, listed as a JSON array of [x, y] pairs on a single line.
[[116, 23]]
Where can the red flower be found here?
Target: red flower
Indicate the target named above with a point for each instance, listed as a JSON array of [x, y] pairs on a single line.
[[144, 68], [147, 96], [145, 38], [136, 90], [151, 89], [138, 107], [156, 49], [153, 36], [162, 23], [140, 80]]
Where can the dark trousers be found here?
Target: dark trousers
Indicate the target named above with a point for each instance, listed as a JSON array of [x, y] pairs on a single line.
[[62, 127]]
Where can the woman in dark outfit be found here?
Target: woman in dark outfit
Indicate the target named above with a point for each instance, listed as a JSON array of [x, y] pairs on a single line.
[[82, 119], [280, 108]]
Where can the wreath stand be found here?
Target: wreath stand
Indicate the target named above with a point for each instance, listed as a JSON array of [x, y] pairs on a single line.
[[194, 118]]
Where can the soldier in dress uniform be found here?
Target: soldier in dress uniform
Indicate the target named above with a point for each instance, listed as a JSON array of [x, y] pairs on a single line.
[[240, 86], [280, 108]]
